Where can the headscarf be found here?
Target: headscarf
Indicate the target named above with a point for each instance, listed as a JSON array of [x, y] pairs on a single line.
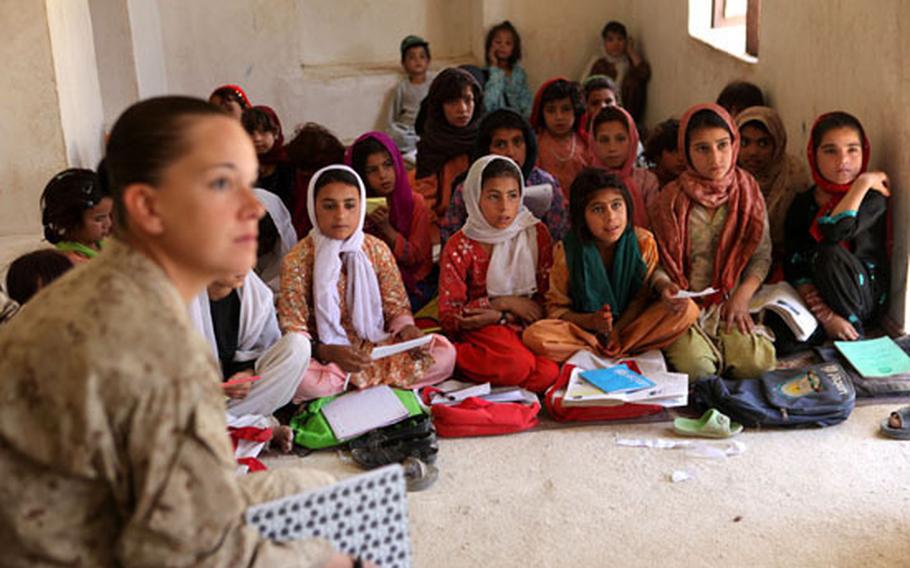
[[440, 141], [277, 154], [287, 236], [591, 285], [783, 171], [401, 208], [513, 262], [537, 121], [493, 121], [628, 166], [236, 90], [744, 226], [836, 191], [363, 297], [258, 323]]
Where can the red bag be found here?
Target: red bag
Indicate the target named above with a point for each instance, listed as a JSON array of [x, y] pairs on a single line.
[[563, 413], [478, 417]]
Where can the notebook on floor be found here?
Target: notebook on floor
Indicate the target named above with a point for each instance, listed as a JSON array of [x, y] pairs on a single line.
[[365, 515]]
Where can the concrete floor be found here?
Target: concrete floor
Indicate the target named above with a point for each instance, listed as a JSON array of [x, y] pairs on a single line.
[[837, 496]]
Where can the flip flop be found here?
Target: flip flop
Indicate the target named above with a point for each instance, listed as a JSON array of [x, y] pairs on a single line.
[[902, 433], [418, 474], [712, 424]]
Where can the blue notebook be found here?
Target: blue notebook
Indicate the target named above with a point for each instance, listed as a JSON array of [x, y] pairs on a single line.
[[617, 379]]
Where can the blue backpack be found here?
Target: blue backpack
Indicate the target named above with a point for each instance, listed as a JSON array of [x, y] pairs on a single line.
[[820, 395]]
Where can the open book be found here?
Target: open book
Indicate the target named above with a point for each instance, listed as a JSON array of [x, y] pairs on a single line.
[[784, 300], [670, 389]]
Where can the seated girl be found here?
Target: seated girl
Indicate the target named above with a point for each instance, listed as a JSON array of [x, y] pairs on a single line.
[[507, 85], [835, 234], [76, 214], [606, 280], [342, 288], [763, 153], [276, 238], [556, 117], [276, 174], [493, 275], [447, 126], [712, 231], [662, 152], [403, 223], [231, 98], [504, 132], [236, 315], [33, 271], [600, 92], [312, 148], [614, 144]]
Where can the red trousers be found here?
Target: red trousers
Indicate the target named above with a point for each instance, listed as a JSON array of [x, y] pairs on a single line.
[[495, 354]]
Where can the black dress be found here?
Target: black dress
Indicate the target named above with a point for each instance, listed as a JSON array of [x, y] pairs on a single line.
[[282, 182], [852, 279]]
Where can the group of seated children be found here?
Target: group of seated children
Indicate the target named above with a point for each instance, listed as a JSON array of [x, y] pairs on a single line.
[[522, 282]]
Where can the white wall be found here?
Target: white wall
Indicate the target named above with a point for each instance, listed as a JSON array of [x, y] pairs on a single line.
[[114, 57], [31, 133], [79, 90]]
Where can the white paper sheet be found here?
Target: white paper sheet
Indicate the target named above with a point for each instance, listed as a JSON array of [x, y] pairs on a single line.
[[386, 350]]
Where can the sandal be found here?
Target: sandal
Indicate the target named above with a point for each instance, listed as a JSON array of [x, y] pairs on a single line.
[[712, 424], [902, 430], [414, 437], [418, 474]]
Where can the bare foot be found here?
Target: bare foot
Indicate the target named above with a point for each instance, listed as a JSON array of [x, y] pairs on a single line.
[[282, 439], [895, 421]]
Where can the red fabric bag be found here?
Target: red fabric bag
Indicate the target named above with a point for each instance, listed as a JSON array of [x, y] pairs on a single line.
[[562, 413], [478, 417]]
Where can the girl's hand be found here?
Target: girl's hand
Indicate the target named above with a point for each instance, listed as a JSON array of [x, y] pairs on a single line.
[[380, 219], [409, 332], [240, 390], [476, 318], [736, 311], [839, 328], [525, 309], [668, 291], [600, 322], [876, 181], [633, 54], [351, 359]]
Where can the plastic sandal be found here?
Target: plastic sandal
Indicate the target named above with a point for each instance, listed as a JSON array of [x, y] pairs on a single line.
[[902, 415], [712, 424]]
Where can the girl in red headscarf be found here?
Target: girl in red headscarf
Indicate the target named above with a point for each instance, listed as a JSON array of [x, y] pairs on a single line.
[[835, 234], [231, 98], [712, 230], [276, 174], [613, 142]]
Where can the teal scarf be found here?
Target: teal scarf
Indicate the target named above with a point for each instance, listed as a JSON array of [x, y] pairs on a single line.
[[590, 285]]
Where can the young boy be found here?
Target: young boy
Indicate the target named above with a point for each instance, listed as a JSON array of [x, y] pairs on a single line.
[[622, 63], [411, 90]]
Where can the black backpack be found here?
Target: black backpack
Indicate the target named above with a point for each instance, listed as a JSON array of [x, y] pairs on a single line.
[[820, 395]]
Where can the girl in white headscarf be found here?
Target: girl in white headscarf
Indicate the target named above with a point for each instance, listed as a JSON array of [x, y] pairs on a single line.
[[493, 275], [342, 288]]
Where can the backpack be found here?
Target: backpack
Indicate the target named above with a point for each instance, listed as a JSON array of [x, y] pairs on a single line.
[[820, 395]]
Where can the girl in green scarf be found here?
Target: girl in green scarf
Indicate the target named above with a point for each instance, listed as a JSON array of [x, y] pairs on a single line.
[[606, 279]]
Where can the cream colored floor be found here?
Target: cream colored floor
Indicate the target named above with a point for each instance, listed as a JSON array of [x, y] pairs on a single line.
[[836, 496]]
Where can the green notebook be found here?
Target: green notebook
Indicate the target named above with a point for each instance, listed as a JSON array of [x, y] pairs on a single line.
[[873, 358]]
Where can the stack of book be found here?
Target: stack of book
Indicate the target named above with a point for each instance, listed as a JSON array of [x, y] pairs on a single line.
[[643, 379]]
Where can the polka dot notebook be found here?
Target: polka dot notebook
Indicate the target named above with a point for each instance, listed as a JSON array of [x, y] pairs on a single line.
[[365, 515]]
